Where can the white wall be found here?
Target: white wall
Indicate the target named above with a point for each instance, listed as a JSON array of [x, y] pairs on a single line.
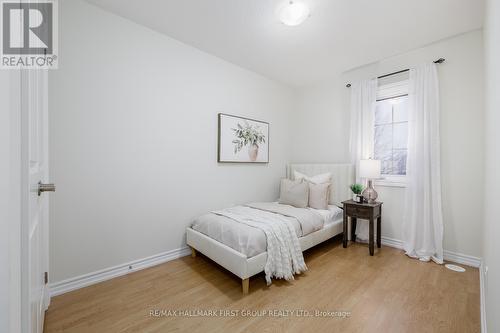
[[320, 125], [491, 245], [324, 114], [133, 123]]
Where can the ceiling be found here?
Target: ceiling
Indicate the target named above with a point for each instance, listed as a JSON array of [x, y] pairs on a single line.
[[339, 34]]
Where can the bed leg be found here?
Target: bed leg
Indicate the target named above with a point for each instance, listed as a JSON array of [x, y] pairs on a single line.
[[193, 253], [245, 285]]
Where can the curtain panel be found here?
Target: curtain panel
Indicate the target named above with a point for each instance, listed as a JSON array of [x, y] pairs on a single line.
[[423, 220]]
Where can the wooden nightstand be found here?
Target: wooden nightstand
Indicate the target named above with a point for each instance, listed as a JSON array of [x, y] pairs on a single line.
[[366, 211]]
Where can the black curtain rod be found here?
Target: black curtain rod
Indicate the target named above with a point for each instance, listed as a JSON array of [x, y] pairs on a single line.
[[439, 61]]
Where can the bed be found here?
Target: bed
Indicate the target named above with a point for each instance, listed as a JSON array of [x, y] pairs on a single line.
[[241, 249]]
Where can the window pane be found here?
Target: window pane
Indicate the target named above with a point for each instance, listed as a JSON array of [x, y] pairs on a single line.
[[391, 131], [383, 113], [385, 157], [401, 110], [383, 147], [400, 136], [383, 138], [399, 165], [386, 167]]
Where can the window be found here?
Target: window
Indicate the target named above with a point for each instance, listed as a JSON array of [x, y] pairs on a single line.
[[391, 131]]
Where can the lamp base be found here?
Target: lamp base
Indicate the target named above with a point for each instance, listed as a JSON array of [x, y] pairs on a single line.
[[369, 192]]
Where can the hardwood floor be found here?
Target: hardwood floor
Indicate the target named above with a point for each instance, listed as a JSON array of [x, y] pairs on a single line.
[[384, 293]]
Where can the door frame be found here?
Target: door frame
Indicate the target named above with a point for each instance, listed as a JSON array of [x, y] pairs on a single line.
[[15, 313], [10, 199], [14, 200]]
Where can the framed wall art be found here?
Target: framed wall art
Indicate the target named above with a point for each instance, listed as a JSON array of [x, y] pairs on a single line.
[[242, 140]]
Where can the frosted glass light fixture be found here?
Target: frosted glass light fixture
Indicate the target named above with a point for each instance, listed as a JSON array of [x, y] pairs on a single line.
[[294, 13]]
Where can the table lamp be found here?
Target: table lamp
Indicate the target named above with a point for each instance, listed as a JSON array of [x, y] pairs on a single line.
[[369, 169]]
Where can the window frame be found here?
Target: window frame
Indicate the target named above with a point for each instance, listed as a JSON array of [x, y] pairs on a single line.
[[385, 92]]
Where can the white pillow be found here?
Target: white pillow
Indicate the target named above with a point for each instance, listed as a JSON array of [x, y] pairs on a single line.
[[318, 179], [319, 195], [294, 193]]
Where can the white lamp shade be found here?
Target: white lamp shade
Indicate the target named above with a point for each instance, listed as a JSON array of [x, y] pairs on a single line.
[[369, 169]]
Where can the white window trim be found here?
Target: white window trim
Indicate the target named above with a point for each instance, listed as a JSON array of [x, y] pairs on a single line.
[[387, 91], [391, 181]]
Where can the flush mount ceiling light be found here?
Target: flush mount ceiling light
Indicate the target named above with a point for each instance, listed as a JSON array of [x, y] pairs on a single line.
[[294, 13]]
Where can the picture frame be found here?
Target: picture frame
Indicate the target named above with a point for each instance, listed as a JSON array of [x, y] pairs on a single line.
[[242, 140]]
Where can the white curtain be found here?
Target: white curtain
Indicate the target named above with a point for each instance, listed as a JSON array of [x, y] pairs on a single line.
[[363, 102], [423, 221]]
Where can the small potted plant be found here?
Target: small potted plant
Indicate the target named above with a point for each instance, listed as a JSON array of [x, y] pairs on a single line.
[[357, 189]]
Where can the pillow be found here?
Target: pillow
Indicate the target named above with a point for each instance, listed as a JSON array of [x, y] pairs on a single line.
[[319, 195], [318, 179], [294, 193]]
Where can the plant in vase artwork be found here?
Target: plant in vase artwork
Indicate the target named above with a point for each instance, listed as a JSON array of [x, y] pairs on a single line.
[[357, 189], [248, 135], [242, 140]]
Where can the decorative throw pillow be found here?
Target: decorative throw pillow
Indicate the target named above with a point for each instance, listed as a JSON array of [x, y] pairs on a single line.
[[294, 193], [319, 195], [318, 179]]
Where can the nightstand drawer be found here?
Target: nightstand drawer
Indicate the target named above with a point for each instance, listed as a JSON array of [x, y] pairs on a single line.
[[354, 211]]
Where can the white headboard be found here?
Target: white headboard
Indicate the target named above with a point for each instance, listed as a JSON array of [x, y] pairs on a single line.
[[342, 177]]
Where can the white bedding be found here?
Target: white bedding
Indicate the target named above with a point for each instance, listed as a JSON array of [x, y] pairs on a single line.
[[248, 240], [284, 254], [331, 215]]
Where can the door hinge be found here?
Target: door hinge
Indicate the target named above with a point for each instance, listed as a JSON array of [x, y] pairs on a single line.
[[46, 277]]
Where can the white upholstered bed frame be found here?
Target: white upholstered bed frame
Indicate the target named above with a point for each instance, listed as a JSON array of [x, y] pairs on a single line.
[[243, 267]]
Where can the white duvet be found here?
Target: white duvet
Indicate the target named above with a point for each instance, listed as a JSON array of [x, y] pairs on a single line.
[[284, 255], [248, 240]]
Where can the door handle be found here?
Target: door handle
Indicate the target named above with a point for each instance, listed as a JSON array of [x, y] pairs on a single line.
[[45, 188]]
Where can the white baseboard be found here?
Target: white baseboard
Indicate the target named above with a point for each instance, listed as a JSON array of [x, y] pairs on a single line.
[[85, 280], [455, 257], [396, 243], [463, 259], [484, 328]]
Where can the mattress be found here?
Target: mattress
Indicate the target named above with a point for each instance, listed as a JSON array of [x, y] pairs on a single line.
[[248, 240]]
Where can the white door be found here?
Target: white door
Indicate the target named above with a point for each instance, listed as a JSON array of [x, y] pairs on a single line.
[[34, 231]]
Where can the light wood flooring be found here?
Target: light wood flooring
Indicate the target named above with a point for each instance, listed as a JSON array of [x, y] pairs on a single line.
[[385, 293]]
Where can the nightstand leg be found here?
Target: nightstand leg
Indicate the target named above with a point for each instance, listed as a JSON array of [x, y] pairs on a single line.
[[371, 237], [379, 232], [353, 228], [344, 236]]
